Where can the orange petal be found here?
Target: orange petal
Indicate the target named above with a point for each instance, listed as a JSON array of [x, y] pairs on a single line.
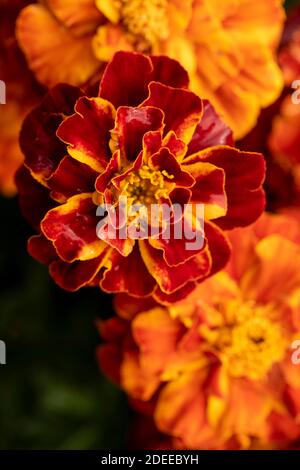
[[82, 15], [53, 53], [108, 40]]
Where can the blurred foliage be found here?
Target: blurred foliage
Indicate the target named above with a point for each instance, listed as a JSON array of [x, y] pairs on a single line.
[[52, 393]]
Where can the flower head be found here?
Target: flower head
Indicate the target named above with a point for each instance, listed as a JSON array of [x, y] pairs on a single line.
[[284, 137], [238, 75], [147, 139], [18, 93], [277, 133], [217, 368]]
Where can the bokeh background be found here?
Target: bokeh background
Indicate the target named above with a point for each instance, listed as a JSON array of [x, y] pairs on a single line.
[[52, 394]]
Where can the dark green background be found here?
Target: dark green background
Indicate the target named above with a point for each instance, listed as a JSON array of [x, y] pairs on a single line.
[[52, 395]]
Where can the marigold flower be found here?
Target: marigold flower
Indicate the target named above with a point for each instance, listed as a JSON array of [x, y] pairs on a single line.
[[284, 138], [228, 49], [19, 92], [146, 137], [217, 369], [277, 133]]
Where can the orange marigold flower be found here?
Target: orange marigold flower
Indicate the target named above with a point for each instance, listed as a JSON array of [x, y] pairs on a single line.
[[228, 48], [277, 133], [18, 94], [220, 368], [146, 138], [284, 139]]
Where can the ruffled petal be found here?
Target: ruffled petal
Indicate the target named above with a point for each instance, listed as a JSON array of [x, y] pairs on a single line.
[[182, 109], [128, 275], [53, 52], [130, 127], [219, 247], [170, 279], [244, 176], [42, 149], [265, 284], [72, 276], [169, 72], [41, 249], [88, 132], [34, 199], [173, 171], [82, 15], [71, 178], [210, 131], [209, 188], [184, 241], [131, 87], [169, 299], [72, 229]]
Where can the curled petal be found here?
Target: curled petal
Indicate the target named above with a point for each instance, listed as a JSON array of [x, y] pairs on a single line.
[[81, 16], [114, 166], [71, 178], [170, 279], [244, 176], [209, 188], [72, 229], [41, 249], [185, 241], [88, 132], [131, 87], [34, 199], [182, 109], [41, 37], [130, 127], [219, 247], [40, 127], [174, 172], [128, 275], [169, 72], [169, 299], [73, 276], [211, 131]]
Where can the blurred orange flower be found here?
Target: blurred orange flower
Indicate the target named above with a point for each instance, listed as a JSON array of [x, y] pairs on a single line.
[[227, 47], [284, 140], [216, 369], [277, 133], [21, 94]]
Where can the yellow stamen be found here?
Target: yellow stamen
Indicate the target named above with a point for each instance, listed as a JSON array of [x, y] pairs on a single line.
[[145, 21], [250, 342], [147, 186]]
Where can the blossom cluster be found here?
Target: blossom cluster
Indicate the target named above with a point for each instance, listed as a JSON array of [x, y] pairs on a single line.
[[135, 126]]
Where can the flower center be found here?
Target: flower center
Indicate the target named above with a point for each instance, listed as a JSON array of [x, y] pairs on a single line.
[[146, 22], [250, 342], [146, 186]]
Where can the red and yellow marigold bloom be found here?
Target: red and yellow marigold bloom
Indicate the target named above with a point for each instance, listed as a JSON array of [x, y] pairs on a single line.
[[149, 138], [227, 47], [216, 369]]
